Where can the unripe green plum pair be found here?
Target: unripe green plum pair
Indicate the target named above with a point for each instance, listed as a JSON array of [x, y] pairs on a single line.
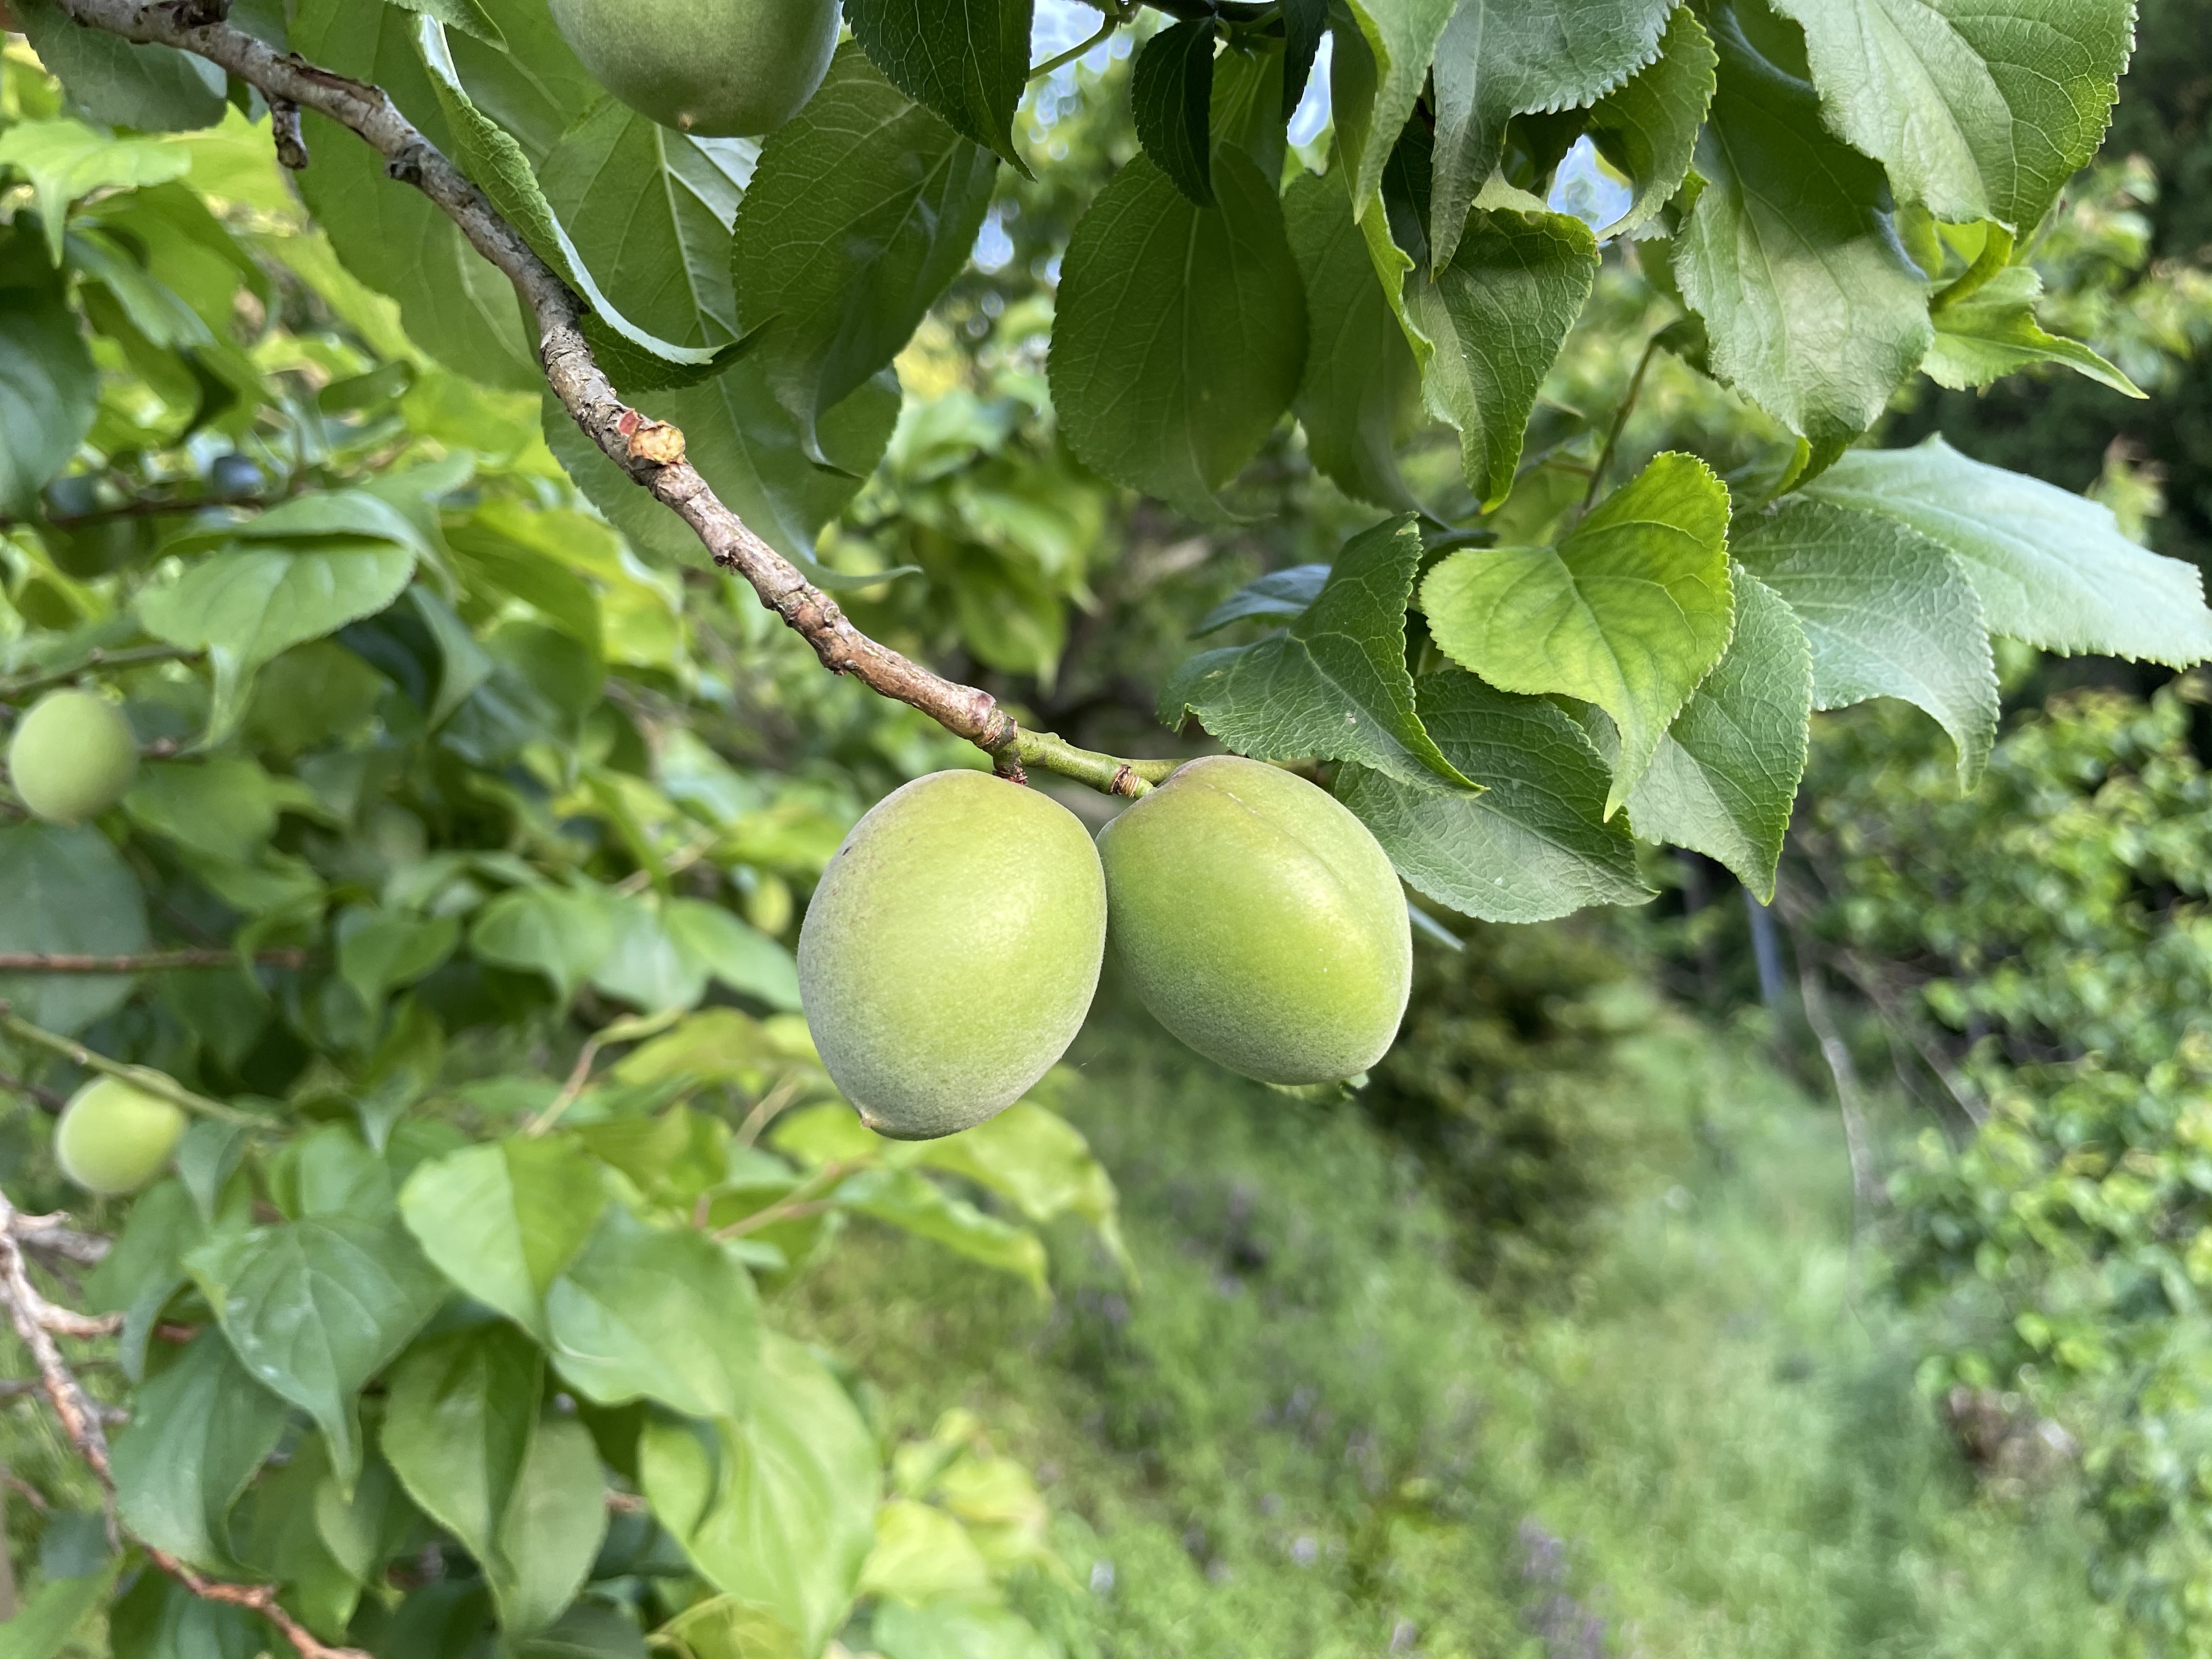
[[72, 757], [712, 68], [952, 949]]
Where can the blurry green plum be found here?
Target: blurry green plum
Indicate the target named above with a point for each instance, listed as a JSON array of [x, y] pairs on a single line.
[[722, 68], [114, 1137], [1260, 921], [951, 951], [72, 757]]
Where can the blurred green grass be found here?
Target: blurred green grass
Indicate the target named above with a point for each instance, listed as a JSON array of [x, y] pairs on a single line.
[[1307, 1432]]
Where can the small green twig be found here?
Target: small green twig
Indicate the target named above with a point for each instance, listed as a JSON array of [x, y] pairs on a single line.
[[769, 1108], [160, 1085], [135, 657], [1619, 423], [1995, 255], [799, 1202], [579, 1074], [1109, 773], [1116, 16]]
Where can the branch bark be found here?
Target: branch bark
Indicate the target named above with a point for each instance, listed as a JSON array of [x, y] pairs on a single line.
[[147, 962], [651, 452]]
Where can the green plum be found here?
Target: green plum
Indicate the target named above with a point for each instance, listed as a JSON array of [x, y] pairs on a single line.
[[72, 757], [951, 951], [114, 1137], [712, 68], [1260, 921]]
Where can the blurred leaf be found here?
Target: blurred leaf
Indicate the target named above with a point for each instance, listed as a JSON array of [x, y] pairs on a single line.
[[42, 1625], [741, 957], [726, 1628], [1333, 684], [912, 1202], [67, 891], [197, 1434], [921, 1553], [562, 934], [48, 393], [777, 1510], [380, 950], [656, 1314], [460, 1415], [503, 1220], [1281, 596], [66, 162], [952, 1630], [1181, 332], [552, 1529]]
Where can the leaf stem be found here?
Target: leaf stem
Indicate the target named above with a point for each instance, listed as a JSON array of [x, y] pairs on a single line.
[[1620, 422], [1109, 773], [1116, 16], [160, 1085], [1995, 255]]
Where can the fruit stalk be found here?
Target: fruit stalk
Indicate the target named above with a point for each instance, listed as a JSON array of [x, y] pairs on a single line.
[[139, 1077], [651, 452]]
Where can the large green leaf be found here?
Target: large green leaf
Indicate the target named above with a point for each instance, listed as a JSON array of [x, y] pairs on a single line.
[[502, 1220], [1535, 843], [1813, 307], [1649, 128], [556, 1519], [66, 161], [2052, 568], [1980, 109], [1181, 332], [969, 60], [1725, 777], [912, 1202], [1377, 76], [460, 1415], [656, 1314], [1498, 315], [1500, 58], [776, 1510], [454, 304], [68, 893], [316, 1308], [48, 393], [862, 211], [198, 1433], [154, 88], [565, 935], [1629, 612], [1361, 396], [1886, 613], [1334, 683], [1993, 332]]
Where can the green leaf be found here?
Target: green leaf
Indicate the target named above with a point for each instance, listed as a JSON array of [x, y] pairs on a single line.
[[1334, 683], [454, 303], [1992, 332], [923, 1552], [726, 1628], [1377, 76], [1500, 58], [1649, 127], [556, 1520], [1498, 315], [49, 394], [743, 959], [1980, 109], [1280, 595], [776, 1510], [863, 210], [41, 1626], [562, 934], [197, 1434], [1725, 777], [466, 16], [159, 1619], [1171, 95], [1814, 309], [912, 1202], [380, 950], [2052, 568], [284, 1543], [1181, 332], [66, 161], [969, 60], [1629, 612], [954, 1630], [316, 1308], [656, 1314], [224, 808], [1886, 613], [67, 893], [503, 1220], [1535, 843], [154, 88], [460, 1415], [590, 1630], [146, 1268], [253, 603], [1361, 396], [1039, 1162]]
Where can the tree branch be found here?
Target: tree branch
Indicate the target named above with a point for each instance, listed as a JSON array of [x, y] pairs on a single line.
[[160, 1085], [652, 452], [148, 961]]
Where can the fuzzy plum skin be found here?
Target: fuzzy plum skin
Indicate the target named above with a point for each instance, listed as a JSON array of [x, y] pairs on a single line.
[[950, 953], [72, 757], [718, 68], [1260, 921], [113, 1139]]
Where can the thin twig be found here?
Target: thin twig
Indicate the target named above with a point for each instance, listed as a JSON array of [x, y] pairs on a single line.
[[652, 452], [1866, 1185], [771, 1105], [1115, 18], [632, 1030], [800, 1201], [254, 1598], [146, 962], [47, 1100], [160, 1085], [137, 656], [1620, 422]]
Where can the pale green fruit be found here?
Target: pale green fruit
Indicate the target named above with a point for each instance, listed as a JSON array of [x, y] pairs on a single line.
[[951, 951], [1260, 921], [114, 1137], [72, 756], [714, 68]]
